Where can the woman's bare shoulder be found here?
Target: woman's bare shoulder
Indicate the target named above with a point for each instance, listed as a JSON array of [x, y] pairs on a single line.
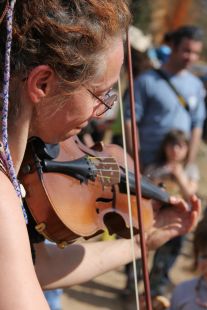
[[15, 254], [7, 192]]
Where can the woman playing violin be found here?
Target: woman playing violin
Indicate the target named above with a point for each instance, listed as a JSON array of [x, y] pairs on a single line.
[[65, 58]]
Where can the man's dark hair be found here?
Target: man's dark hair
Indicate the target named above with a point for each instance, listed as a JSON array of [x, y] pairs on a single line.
[[190, 32]]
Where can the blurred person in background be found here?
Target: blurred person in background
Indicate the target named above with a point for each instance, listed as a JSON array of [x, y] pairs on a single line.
[[180, 180], [192, 294], [159, 55], [170, 168], [140, 64], [158, 108]]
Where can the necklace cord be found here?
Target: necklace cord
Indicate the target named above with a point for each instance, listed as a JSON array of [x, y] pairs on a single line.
[[4, 11], [5, 108]]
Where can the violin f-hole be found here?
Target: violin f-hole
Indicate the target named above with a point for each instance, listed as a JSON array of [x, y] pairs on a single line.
[[115, 223]]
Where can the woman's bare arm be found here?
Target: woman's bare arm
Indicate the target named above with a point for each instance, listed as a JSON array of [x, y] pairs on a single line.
[[19, 287], [79, 263]]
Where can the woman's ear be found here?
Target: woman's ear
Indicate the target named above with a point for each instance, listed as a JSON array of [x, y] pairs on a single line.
[[41, 82]]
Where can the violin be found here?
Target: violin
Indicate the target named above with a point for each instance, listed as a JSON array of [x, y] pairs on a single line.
[[74, 191]]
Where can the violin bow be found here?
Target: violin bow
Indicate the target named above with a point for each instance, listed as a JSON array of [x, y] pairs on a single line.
[[128, 195], [138, 178]]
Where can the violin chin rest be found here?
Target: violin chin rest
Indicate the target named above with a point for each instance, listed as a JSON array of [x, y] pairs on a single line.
[[116, 224]]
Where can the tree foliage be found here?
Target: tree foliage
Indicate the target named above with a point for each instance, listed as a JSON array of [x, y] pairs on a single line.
[[141, 10]]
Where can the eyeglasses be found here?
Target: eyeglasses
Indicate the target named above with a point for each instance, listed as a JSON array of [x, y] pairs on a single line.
[[107, 101]]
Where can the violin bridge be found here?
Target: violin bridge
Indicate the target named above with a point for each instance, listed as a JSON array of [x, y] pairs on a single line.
[[107, 170]]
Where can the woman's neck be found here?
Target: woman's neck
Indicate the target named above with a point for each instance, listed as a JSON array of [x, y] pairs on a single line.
[[18, 122], [17, 144], [17, 139]]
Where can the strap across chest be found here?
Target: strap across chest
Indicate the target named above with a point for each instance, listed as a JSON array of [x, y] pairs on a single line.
[[3, 167]]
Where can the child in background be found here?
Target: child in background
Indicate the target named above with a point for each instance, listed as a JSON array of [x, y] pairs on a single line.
[[171, 169], [178, 179], [192, 294]]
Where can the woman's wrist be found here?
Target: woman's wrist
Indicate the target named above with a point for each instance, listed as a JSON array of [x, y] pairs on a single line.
[[137, 246]]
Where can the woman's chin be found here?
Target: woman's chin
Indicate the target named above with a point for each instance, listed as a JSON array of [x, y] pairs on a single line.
[[71, 134], [56, 139]]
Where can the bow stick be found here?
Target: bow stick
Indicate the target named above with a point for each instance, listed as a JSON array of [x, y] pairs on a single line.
[[138, 178], [128, 195]]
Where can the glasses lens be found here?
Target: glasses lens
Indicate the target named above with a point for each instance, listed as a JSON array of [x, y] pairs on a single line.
[[113, 99], [108, 101], [102, 109]]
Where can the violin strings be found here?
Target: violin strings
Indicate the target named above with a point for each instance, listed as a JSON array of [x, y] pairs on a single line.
[[104, 163], [106, 170], [101, 157], [103, 176], [128, 197]]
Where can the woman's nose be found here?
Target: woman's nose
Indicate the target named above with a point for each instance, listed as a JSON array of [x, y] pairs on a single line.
[[95, 112]]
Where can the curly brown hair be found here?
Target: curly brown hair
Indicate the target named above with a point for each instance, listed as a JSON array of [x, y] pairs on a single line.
[[68, 35]]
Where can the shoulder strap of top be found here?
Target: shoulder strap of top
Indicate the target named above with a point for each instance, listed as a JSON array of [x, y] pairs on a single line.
[[3, 167]]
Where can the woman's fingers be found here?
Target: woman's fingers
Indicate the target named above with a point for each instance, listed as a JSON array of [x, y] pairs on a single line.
[[196, 203], [177, 219], [180, 203], [196, 209]]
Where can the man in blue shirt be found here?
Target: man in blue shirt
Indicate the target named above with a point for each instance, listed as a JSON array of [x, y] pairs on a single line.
[[158, 109]]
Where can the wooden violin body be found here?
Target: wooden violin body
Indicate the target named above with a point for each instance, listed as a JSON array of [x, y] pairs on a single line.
[[77, 203]]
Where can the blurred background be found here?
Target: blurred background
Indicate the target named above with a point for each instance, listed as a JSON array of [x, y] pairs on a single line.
[[160, 16]]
